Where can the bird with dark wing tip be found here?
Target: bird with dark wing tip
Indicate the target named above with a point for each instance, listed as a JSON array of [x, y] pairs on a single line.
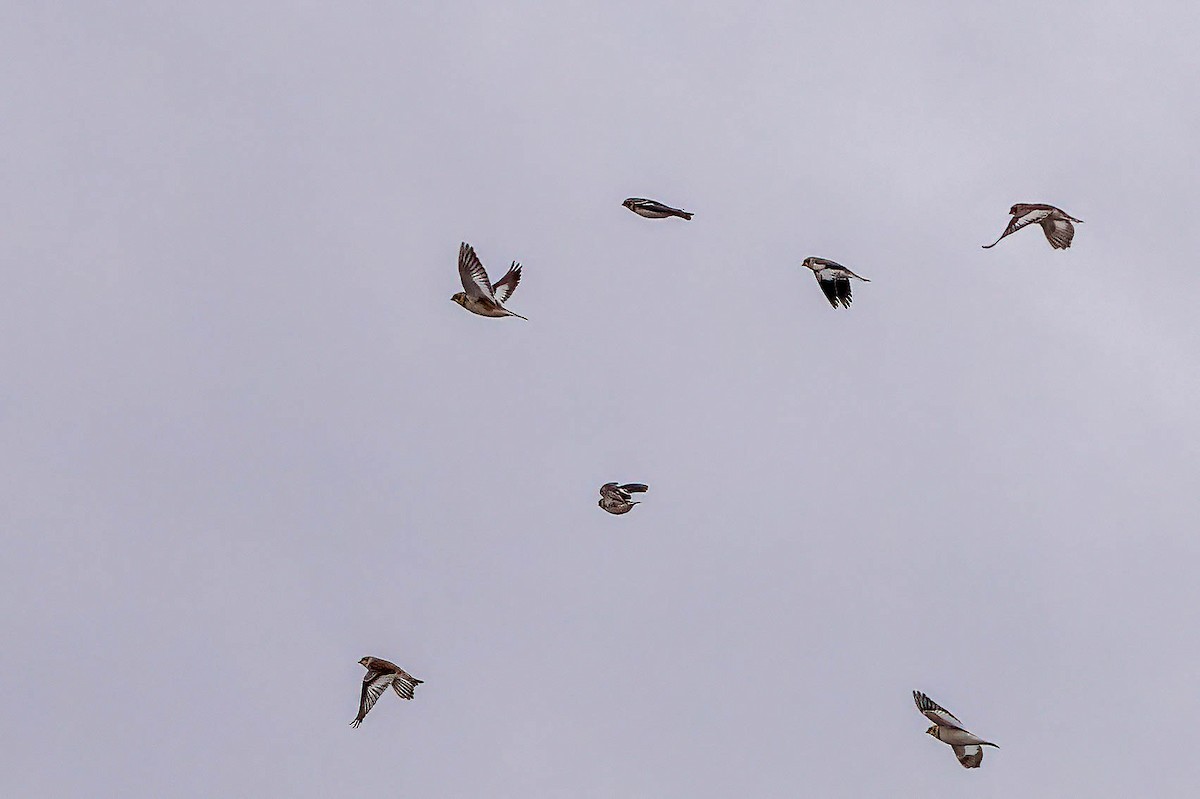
[[482, 296], [618, 499], [834, 280], [381, 675], [946, 728], [653, 209], [1055, 222]]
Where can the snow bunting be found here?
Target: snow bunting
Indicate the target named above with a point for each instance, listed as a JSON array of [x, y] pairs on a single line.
[[653, 209], [380, 675], [834, 280], [1055, 222], [618, 499], [481, 296], [947, 729]]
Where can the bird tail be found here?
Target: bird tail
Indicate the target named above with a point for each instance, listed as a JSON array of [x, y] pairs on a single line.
[[510, 313], [685, 214]]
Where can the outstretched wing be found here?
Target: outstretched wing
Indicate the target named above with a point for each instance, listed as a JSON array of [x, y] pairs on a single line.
[[472, 274], [404, 684], [374, 684], [635, 488], [1059, 232], [935, 712], [842, 285], [836, 289], [506, 285], [1018, 222], [969, 756]]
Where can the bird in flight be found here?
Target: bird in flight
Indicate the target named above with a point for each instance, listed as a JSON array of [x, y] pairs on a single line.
[[834, 280], [947, 729], [1055, 222], [382, 674], [481, 296], [653, 209], [618, 499]]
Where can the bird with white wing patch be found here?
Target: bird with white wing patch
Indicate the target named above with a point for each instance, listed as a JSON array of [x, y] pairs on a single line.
[[949, 730], [482, 296]]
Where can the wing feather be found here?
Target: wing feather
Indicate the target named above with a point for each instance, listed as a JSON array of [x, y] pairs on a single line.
[[505, 286], [1059, 232], [829, 287], [404, 684], [472, 274], [612, 491], [935, 712], [842, 284], [1018, 222], [374, 684]]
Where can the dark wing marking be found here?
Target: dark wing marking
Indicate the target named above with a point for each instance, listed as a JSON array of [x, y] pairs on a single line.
[[935, 712], [505, 286], [969, 756], [842, 286], [374, 684], [472, 274], [1059, 232], [613, 492], [830, 289], [656, 206]]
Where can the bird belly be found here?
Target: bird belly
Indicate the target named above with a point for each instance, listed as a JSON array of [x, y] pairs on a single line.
[[957, 737], [616, 507], [485, 308]]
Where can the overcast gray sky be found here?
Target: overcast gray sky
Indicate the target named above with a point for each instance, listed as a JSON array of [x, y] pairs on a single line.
[[247, 439]]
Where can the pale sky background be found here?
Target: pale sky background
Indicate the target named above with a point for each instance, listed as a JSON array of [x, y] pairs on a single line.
[[247, 438]]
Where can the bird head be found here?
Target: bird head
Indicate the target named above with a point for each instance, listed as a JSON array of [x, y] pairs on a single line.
[[628, 203], [811, 263], [460, 298], [1017, 209], [932, 731], [364, 661]]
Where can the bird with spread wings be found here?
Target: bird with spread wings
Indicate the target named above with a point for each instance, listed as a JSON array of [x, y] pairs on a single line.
[[482, 296], [381, 675], [1055, 222], [834, 280], [948, 729]]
